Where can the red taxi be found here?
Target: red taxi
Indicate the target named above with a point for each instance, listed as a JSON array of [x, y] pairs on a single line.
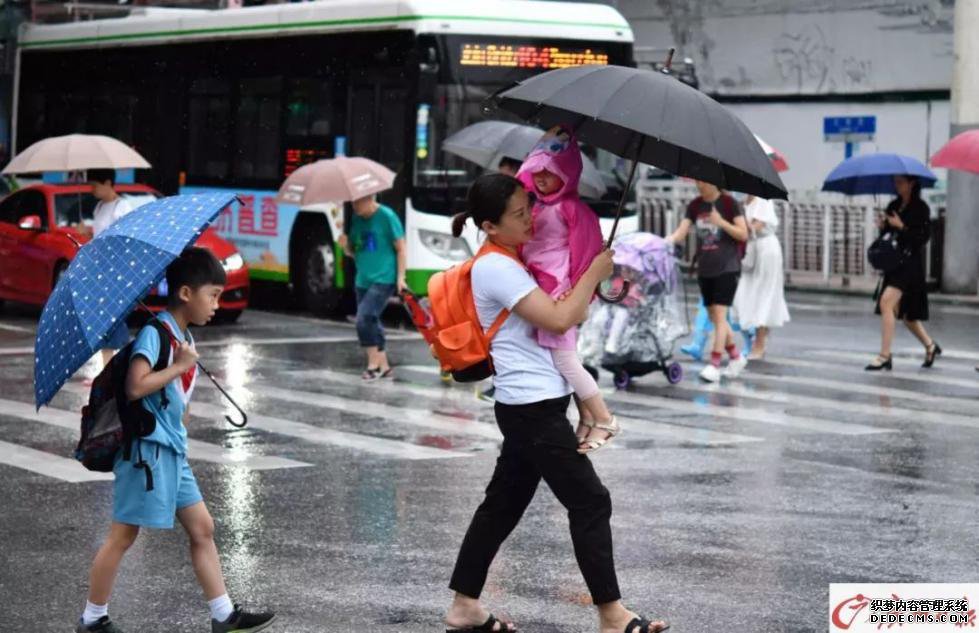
[[35, 249]]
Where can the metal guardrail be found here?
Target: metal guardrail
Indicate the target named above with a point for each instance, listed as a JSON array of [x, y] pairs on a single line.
[[821, 235]]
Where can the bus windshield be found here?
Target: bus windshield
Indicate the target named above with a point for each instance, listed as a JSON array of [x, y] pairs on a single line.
[[476, 69]]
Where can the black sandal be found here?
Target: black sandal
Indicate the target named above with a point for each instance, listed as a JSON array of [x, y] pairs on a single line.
[[645, 626], [506, 627]]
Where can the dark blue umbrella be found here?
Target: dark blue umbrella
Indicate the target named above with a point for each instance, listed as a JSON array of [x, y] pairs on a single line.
[[106, 279], [874, 173]]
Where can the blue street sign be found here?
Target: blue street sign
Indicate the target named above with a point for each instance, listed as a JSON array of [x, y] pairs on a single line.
[[849, 129]]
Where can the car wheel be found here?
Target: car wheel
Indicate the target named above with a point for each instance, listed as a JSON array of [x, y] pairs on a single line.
[[317, 280]]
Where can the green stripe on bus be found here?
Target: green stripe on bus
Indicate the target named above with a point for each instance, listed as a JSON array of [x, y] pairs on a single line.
[[339, 275], [268, 275], [310, 25], [418, 280]]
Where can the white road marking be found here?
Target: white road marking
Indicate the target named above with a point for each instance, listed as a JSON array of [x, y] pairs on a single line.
[[632, 426], [42, 463], [196, 449]]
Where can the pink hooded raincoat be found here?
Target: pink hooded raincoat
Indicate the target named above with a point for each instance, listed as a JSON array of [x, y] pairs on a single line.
[[567, 235]]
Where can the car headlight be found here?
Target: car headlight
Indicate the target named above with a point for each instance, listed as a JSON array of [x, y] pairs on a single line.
[[445, 245], [233, 262]]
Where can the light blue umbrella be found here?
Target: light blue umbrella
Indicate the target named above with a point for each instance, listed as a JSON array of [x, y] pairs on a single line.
[[107, 278], [874, 173]]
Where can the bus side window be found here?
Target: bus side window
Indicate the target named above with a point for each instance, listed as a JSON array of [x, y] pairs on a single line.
[[209, 133]]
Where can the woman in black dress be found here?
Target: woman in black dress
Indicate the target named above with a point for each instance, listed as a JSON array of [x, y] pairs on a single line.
[[903, 293]]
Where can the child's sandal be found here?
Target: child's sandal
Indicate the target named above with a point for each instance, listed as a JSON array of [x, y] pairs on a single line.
[[588, 446]]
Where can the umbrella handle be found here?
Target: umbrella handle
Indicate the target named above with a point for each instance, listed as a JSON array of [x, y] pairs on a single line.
[[616, 298], [244, 416]]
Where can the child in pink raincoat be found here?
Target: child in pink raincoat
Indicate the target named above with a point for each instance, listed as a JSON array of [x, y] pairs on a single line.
[[567, 236]]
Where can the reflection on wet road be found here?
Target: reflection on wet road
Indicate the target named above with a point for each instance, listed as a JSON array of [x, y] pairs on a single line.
[[342, 504]]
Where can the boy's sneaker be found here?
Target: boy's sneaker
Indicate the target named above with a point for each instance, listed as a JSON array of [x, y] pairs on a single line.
[[243, 622], [735, 367], [102, 625], [710, 374]]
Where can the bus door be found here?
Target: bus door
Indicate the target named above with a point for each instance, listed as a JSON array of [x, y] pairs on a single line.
[[377, 126]]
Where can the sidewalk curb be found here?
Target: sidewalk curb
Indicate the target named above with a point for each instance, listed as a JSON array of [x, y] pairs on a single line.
[[970, 301]]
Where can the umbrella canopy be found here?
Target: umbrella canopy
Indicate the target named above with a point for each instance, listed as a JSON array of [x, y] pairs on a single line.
[[106, 279], [648, 117], [76, 152], [962, 153], [339, 179], [874, 173], [777, 158], [488, 142]]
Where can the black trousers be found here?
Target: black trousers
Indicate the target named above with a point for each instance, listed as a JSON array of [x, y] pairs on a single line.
[[539, 443]]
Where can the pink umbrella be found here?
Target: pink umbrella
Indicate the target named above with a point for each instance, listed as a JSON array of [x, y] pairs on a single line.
[[778, 160], [335, 180], [962, 153]]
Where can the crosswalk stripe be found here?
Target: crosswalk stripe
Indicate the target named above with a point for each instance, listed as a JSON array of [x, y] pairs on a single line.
[[15, 328], [46, 464], [909, 352], [396, 414], [858, 370], [196, 449], [737, 413], [862, 388], [890, 411], [238, 340], [747, 414], [329, 437], [631, 425]]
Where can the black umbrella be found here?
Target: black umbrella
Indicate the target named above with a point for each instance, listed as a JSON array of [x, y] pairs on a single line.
[[648, 117]]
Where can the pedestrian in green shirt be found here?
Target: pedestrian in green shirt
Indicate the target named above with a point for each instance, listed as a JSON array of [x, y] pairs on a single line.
[[376, 241]]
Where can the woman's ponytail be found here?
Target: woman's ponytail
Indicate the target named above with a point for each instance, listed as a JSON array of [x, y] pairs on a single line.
[[459, 223]]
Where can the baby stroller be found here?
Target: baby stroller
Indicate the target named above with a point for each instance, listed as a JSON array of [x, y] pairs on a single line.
[[635, 337]]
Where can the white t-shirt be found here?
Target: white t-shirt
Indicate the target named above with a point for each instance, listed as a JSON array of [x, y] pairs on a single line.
[[525, 372], [108, 212]]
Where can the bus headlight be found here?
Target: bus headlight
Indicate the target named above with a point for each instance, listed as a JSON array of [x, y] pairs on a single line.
[[233, 262], [444, 245]]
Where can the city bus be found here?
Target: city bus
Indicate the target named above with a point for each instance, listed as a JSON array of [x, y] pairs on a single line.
[[238, 99]]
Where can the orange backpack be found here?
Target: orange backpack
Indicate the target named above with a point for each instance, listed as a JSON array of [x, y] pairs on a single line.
[[459, 343]]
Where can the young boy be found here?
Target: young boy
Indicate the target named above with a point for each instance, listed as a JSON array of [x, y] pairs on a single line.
[[195, 281]]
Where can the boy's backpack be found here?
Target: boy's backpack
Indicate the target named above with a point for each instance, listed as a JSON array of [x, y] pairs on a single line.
[[110, 422], [459, 344]]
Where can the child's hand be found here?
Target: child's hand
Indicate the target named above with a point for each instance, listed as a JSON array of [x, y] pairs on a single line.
[[564, 295], [342, 241], [185, 357]]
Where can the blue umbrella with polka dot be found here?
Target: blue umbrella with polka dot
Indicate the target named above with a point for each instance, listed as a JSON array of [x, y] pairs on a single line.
[[107, 278]]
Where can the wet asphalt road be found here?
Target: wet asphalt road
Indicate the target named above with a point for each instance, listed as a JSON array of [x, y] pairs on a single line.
[[341, 505]]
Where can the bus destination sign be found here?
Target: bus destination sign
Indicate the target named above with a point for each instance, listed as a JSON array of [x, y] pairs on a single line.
[[528, 56]]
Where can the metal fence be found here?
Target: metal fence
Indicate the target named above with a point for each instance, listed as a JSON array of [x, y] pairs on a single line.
[[822, 236]]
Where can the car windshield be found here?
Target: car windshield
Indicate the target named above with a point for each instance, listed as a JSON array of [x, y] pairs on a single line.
[[72, 209]]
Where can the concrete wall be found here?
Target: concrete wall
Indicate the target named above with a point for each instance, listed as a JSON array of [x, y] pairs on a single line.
[[917, 129], [803, 47]]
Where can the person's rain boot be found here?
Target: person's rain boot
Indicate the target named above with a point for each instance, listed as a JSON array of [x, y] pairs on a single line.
[[702, 328]]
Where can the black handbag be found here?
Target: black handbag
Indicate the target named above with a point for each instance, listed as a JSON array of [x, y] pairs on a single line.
[[885, 254]]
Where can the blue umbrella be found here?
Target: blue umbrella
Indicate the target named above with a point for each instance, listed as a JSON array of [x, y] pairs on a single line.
[[106, 279], [874, 173]]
